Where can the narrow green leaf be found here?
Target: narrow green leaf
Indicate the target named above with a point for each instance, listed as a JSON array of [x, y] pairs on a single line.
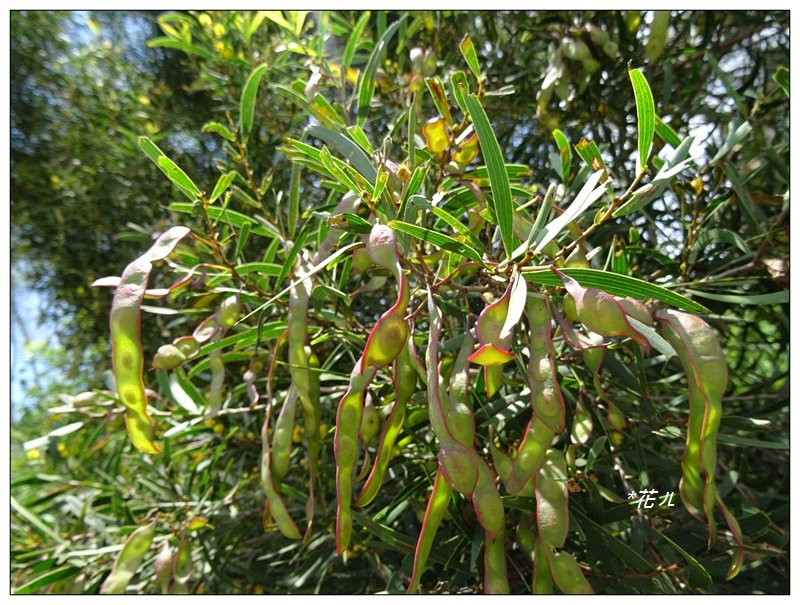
[[615, 284], [191, 49], [565, 152], [49, 577], [666, 133], [248, 101], [645, 115], [222, 185], [254, 24], [229, 217], [698, 576], [357, 134], [773, 298], [263, 268], [352, 41], [437, 239], [35, 521], [498, 177], [711, 236], [590, 154], [349, 150], [436, 89], [366, 87], [460, 87], [782, 78], [735, 138], [751, 213], [169, 168], [468, 52], [219, 129], [729, 88]]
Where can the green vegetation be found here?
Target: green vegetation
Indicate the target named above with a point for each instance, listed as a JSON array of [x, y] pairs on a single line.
[[377, 328]]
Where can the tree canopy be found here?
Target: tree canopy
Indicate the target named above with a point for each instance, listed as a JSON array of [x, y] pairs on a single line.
[[452, 290]]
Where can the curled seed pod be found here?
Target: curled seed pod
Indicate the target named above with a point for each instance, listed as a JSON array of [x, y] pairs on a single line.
[[634, 308], [129, 558], [457, 463], [168, 357], [361, 261], [389, 335], [494, 337], [206, 330], [495, 576], [707, 374], [182, 565], [487, 503], [600, 312], [405, 379], [345, 450]]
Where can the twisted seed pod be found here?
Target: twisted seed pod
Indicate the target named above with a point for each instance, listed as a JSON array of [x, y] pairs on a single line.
[[405, 379], [707, 374], [126, 347]]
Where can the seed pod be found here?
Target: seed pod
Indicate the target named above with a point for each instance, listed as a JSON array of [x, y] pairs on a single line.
[[567, 574], [495, 576], [228, 312], [187, 345], [437, 507], [530, 455], [546, 398], [382, 247], [282, 437], [127, 355], [552, 509], [370, 421], [129, 558], [542, 575], [600, 312], [163, 568], [707, 374], [405, 378], [168, 357]]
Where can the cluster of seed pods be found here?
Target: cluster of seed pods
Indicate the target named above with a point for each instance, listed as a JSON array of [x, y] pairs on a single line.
[[537, 469]]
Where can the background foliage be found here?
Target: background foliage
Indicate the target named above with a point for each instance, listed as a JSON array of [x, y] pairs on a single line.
[[85, 200]]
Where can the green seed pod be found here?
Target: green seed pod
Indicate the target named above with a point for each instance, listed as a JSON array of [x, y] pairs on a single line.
[[163, 567], [361, 261], [187, 345], [229, 312], [168, 357], [370, 421], [382, 247], [129, 558]]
